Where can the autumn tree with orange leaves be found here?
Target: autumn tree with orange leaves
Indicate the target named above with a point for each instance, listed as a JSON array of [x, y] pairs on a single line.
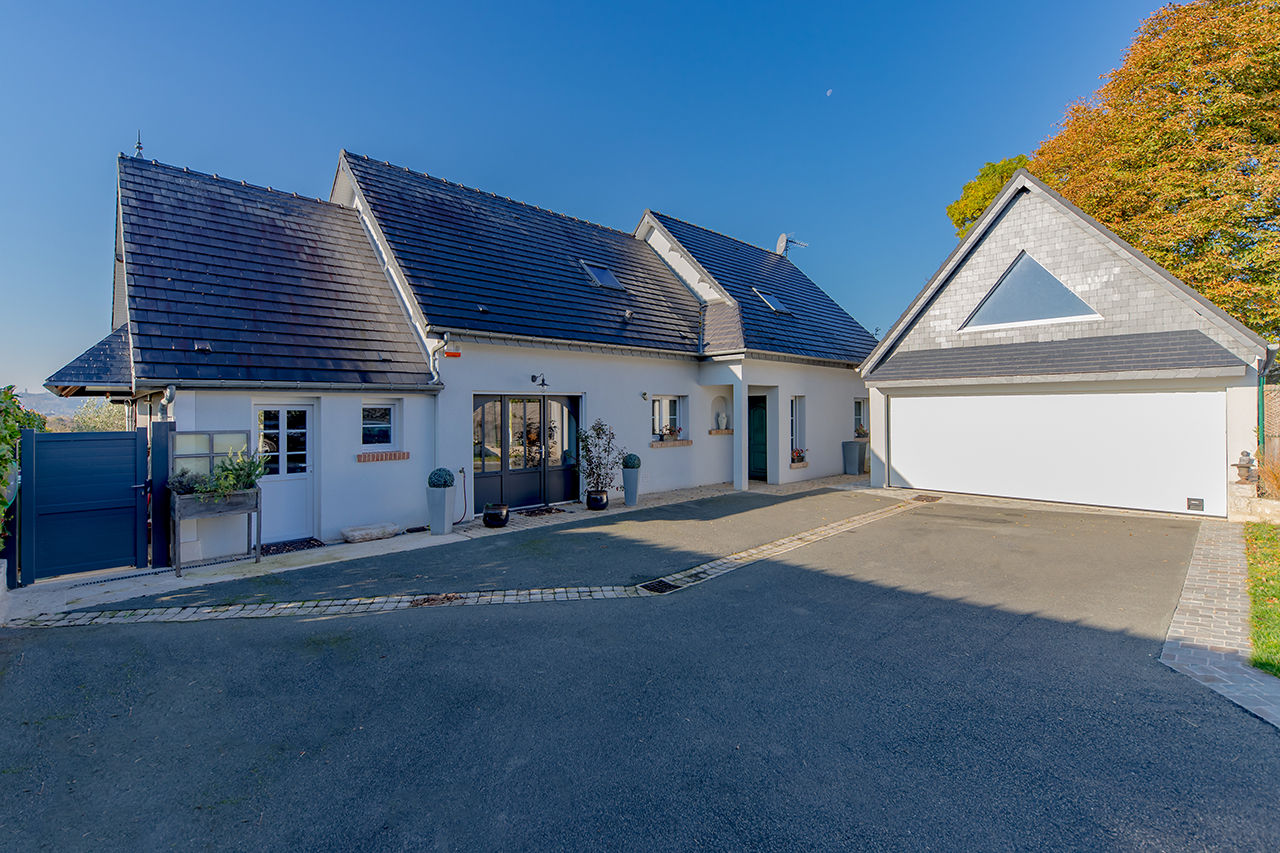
[[1179, 152]]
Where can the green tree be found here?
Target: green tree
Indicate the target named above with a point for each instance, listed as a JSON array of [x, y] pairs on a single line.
[[97, 415], [979, 192], [10, 426], [31, 419], [1178, 153]]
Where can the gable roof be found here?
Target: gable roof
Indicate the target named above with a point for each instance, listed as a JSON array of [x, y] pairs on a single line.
[[1023, 181], [815, 327], [105, 365], [237, 285], [480, 262]]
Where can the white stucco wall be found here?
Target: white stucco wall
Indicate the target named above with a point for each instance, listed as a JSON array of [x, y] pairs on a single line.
[[828, 394], [344, 492], [611, 386]]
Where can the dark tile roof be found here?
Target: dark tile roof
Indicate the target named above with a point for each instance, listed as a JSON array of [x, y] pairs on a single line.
[[816, 327], [281, 288], [462, 248], [103, 365], [1155, 351]]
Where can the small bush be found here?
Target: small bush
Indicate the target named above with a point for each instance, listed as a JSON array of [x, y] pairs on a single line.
[[187, 482], [1269, 473], [441, 478], [631, 461]]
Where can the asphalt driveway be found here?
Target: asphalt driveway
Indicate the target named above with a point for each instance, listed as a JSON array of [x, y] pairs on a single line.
[[948, 678], [604, 551]]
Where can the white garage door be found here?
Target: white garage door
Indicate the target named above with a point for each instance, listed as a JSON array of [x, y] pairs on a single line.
[[1143, 451]]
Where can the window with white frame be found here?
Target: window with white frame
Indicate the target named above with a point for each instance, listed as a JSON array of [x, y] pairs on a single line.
[[797, 429], [378, 424], [860, 417], [666, 417]]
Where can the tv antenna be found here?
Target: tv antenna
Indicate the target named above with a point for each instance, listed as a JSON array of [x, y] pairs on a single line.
[[786, 241]]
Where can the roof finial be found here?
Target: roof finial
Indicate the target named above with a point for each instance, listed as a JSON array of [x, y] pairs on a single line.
[[138, 147]]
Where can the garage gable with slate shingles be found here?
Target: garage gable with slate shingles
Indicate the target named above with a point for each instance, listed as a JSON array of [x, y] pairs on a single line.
[[1132, 298]]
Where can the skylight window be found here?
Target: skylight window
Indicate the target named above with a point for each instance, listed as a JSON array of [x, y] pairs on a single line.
[[1027, 293], [602, 276], [774, 303]]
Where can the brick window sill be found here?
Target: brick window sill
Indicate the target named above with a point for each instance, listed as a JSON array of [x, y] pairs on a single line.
[[799, 464], [680, 442], [382, 456]]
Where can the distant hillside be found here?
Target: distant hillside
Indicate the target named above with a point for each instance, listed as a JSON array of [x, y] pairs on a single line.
[[49, 404]]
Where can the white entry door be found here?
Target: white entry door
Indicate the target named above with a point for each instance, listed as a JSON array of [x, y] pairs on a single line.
[[1161, 451], [288, 488]]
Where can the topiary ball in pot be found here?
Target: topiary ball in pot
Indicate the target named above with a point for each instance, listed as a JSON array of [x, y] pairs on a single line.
[[441, 478], [630, 461]]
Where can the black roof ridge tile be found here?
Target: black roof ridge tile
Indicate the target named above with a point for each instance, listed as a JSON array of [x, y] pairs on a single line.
[[230, 182], [719, 234], [478, 191]]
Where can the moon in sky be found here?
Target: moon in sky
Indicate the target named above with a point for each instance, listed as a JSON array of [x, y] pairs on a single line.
[[828, 93]]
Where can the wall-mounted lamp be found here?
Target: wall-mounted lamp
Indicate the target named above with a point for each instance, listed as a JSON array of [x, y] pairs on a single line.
[[539, 379], [644, 395]]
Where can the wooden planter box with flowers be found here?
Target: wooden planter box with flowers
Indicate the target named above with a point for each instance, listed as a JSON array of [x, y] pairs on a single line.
[[799, 458], [232, 489]]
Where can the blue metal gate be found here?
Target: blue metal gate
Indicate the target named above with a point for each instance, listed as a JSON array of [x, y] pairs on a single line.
[[83, 502]]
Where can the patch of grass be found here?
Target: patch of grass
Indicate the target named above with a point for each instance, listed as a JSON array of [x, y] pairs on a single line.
[[1262, 544]]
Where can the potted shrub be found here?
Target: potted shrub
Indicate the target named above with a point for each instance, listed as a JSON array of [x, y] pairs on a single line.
[[496, 515], [440, 501], [631, 479], [598, 458]]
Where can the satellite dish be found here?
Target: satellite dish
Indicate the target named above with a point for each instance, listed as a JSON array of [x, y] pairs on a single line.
[[786, 241]]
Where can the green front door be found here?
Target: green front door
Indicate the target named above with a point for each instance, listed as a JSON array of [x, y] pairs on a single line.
[[758, 438]]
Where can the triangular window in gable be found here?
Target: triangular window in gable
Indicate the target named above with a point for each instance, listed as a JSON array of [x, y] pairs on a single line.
[[1027, 293]]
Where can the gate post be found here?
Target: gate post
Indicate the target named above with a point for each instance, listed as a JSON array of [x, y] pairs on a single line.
[[27, 506], [160, 505], [140, 498]]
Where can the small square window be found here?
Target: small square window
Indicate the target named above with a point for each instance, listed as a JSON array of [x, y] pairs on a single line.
[[377, 425], [774, 303], [666, 417], [602, 276]]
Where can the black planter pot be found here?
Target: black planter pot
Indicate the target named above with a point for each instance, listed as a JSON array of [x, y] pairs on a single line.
[[496, 515], [597, 499]]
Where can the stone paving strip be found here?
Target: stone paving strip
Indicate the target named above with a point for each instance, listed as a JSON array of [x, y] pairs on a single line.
[[1208, 637], [334, 607]]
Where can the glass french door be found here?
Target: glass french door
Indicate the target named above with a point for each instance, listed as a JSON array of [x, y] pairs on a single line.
[[288, 493], [525, 449]]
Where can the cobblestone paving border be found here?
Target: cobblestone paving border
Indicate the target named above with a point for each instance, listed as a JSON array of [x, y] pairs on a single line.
[[1208, 637], [333, 607]]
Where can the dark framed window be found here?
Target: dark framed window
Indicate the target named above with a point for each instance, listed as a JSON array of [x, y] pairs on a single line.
[[377, 425]]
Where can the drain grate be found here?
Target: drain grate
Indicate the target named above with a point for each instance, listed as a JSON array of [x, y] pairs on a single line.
[[291, 546], [926, 499], [121, 578], [539, 511], [659, 586]]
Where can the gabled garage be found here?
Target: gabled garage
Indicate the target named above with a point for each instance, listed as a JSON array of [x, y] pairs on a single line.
[[1048, 359]]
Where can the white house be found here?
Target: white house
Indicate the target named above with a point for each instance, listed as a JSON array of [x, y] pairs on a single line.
[[409, 323], [1049, 359]]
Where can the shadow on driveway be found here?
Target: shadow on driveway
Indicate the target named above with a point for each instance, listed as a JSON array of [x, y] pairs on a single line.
[[612, 551], [938, 680]]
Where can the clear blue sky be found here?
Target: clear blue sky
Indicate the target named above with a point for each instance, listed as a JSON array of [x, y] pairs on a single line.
[[714, 113]]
